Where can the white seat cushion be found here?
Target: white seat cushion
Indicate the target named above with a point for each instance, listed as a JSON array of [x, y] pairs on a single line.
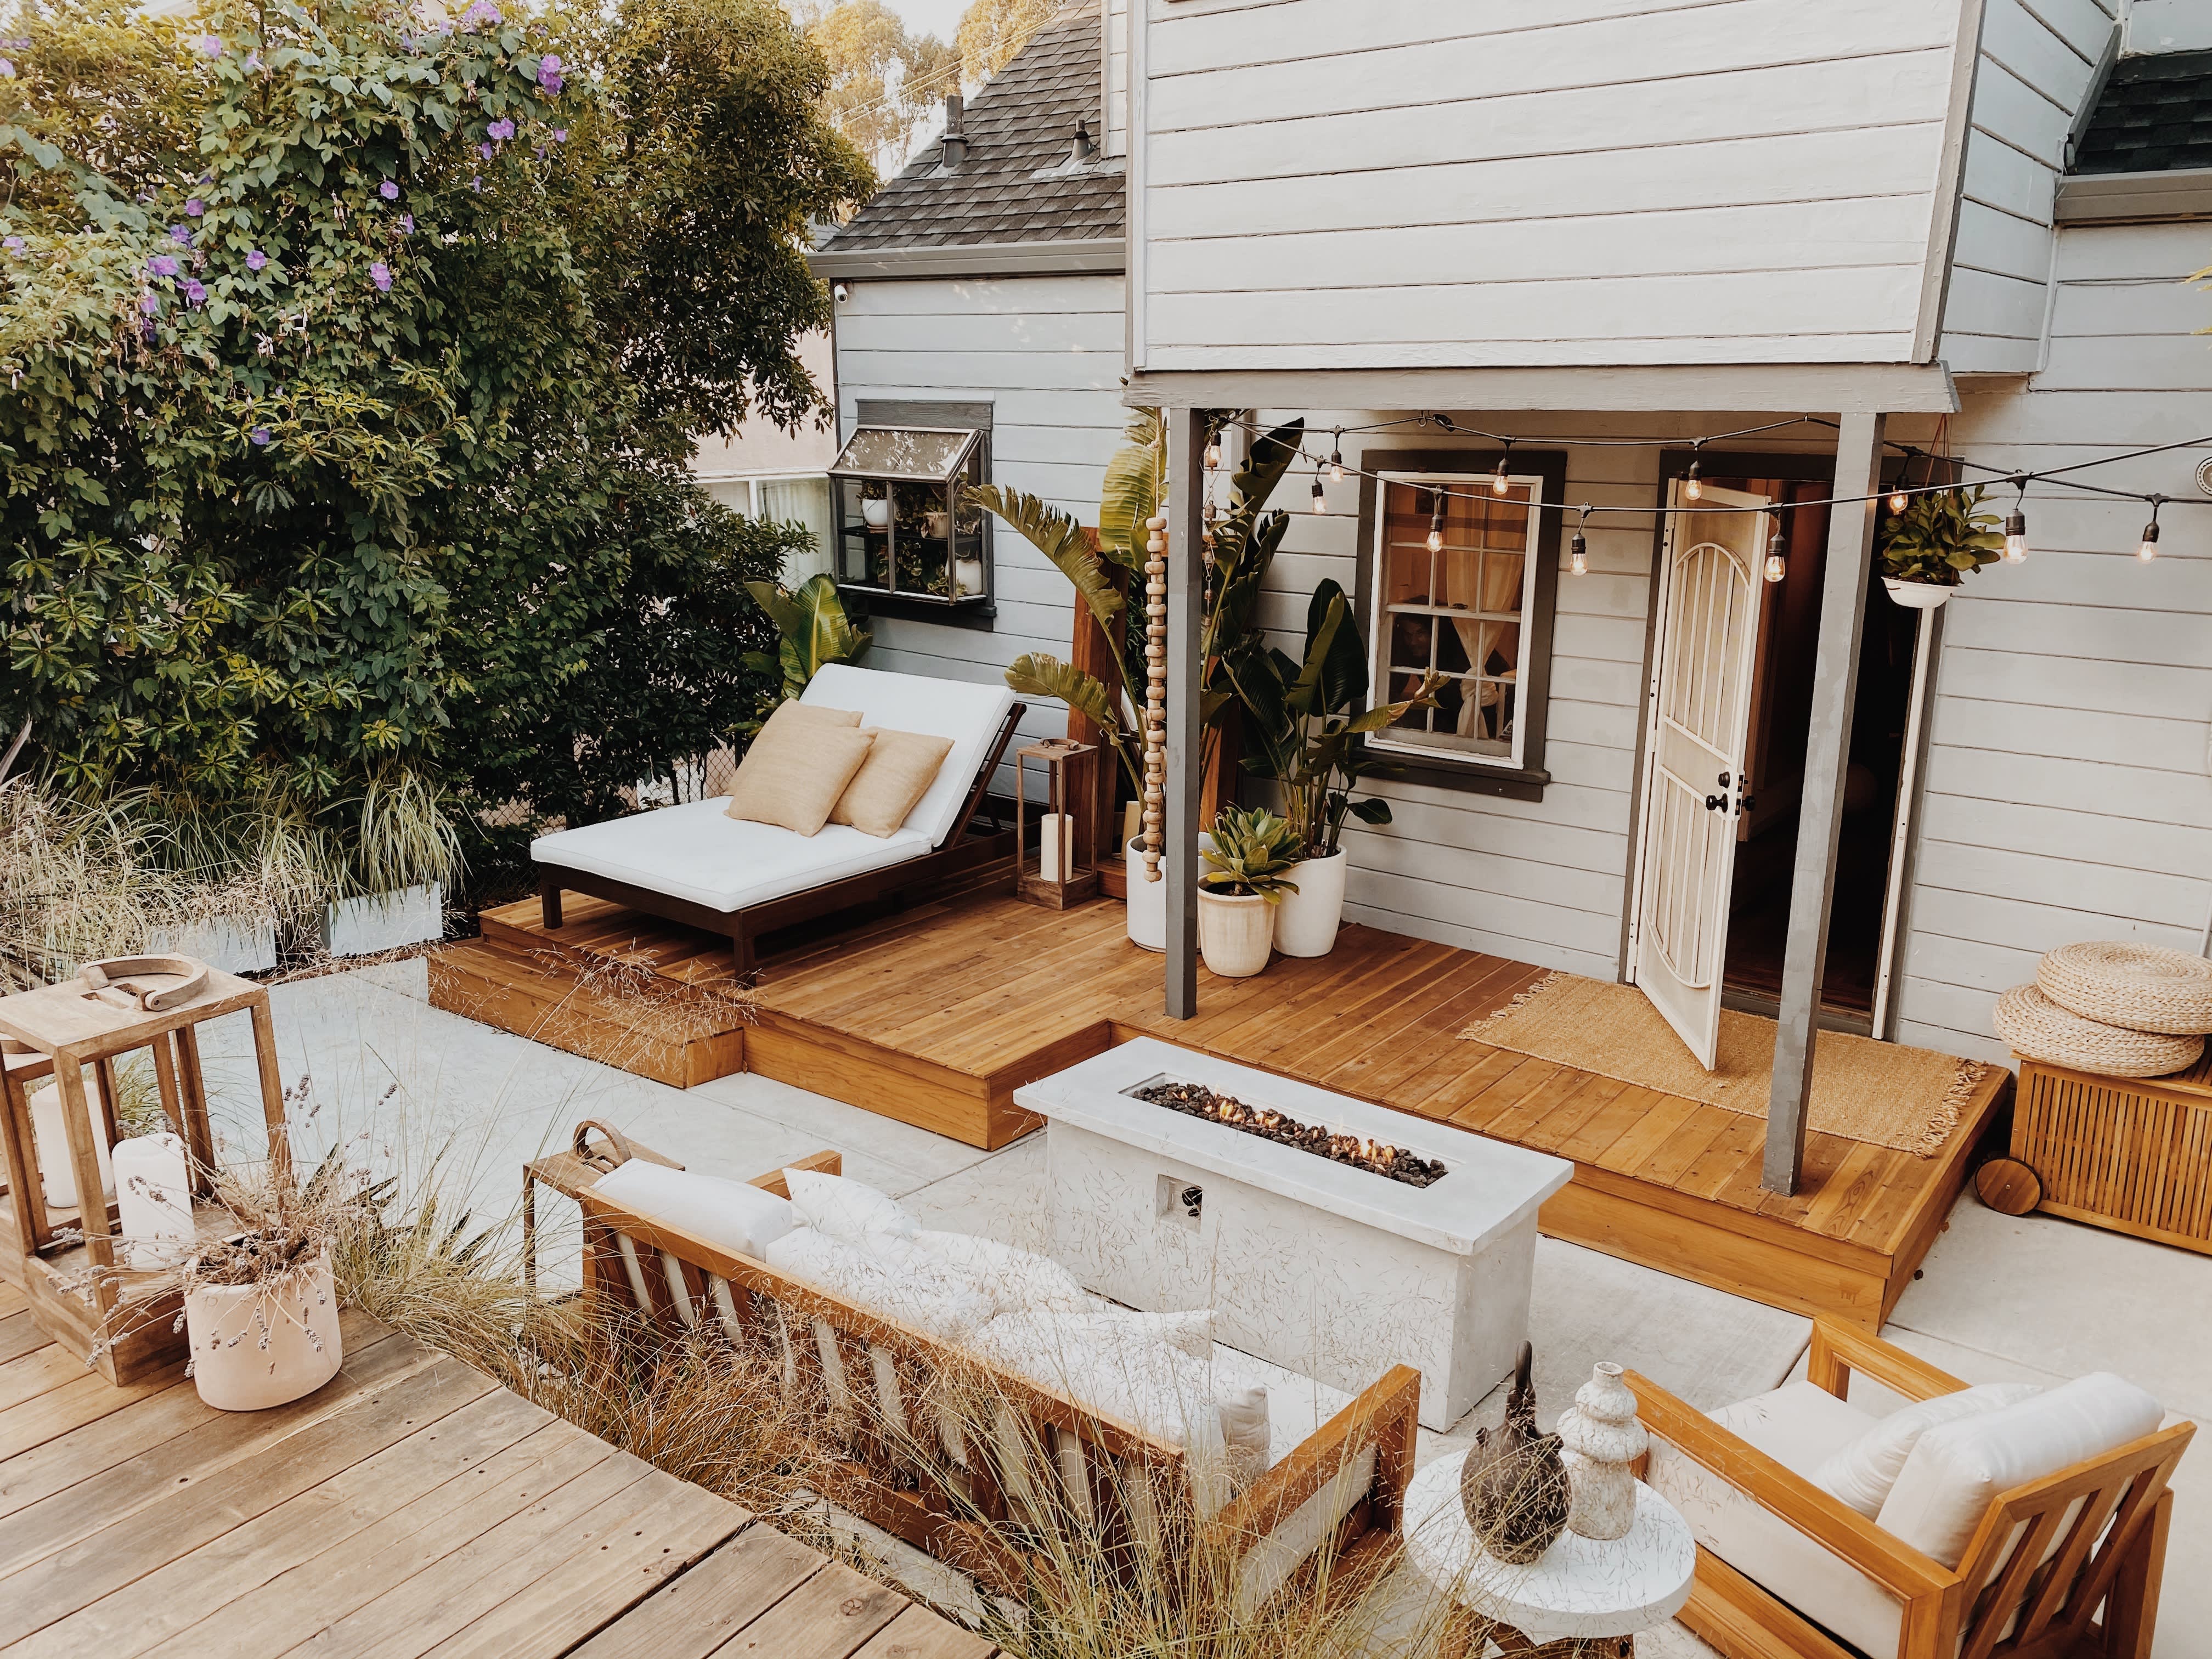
[[733, 1214], [1799, 1425], [696, 852], [968, 714], [1862, 1473]]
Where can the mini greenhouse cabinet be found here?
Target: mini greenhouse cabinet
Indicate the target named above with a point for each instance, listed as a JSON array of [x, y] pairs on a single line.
[[903, 530]]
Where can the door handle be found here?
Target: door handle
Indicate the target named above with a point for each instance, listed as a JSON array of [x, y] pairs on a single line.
[[1745, 805], [1715, 803], [1724, 779]]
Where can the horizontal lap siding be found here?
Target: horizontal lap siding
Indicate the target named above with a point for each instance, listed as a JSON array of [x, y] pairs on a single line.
[[1591, 182], [2067, 790], [2038, 57], [1046, 353]]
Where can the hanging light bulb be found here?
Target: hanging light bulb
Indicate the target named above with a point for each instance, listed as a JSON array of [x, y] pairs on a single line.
[[1213, 453], [1578, 548], [1692, 489], [1501, 482], [2147, 548], [2015, 526], [1336, 458], [1437, 523], [1320, 496], [1777, 566], [1897, 500]]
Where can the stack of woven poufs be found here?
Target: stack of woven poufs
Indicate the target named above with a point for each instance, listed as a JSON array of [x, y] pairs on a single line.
[[2121, 1010]]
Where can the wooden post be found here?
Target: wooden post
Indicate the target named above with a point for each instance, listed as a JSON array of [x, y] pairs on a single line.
[[1186, 605], [1819, 811]]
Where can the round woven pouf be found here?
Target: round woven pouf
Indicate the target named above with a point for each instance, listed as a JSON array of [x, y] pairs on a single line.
[[2145, 987], [2039, 1029]]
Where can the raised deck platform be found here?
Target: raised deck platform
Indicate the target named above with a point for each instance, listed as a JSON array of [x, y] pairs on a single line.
[[408, 1507], [936, 1018]]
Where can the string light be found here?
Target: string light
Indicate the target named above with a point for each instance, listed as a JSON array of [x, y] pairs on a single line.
[[1501, 483], [2015, 525], [1213, 453], [1578, 548], [1896, 499], [1777, 566], [1437, 522], [1336, 458], [1692, 489], [1320, 496], [2147, 548]]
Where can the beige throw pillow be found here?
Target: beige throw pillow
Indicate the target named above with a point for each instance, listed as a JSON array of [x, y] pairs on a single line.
[[795, 770], [792, 713], [898, 771]]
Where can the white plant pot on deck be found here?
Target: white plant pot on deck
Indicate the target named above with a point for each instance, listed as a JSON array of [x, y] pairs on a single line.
[[1148, 900], [257, 1346], [1306, 920], [384, 922], [1917, 596], [1235, 932]]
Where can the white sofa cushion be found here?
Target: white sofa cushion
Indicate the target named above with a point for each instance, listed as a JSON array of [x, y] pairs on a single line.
[[850, 1211], [1862, 1473], [1800, 1425], [1954, 1471], [968, 713], [887, 1277], [696, 852], [1019, 1280], [732, 1215]]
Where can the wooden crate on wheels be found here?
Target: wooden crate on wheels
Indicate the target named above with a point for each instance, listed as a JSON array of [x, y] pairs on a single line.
[[66, 1260], [2133, 1154]]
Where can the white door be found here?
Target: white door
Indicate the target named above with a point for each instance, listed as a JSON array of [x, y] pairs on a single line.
[[1693, 782]]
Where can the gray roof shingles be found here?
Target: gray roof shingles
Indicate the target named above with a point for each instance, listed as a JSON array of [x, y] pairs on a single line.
[[1015, 184], [2153, 115]]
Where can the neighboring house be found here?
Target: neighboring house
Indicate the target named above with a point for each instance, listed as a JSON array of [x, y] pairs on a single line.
[[766, 472]]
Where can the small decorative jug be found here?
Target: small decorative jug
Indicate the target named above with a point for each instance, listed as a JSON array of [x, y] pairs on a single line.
[[1600, 1442], [1513, 1485]]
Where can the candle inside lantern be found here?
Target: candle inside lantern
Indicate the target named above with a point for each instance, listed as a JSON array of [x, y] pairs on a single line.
[[1057, 847], [49, 1130], [154, 1200]]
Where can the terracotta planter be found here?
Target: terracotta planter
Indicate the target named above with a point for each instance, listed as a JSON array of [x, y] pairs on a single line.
[[257, 1346], [1306, 920], [1917, 596], [1235, 932]]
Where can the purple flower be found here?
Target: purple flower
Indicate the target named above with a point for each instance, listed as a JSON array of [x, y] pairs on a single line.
[[476, 183], [485, 150], [259, 435], [180, 235], [7, 69], [406, 224], [163, 264], [549, 72], [388, 190], [253, 62], [481, 13], [12, 243], [208, 45], [501, 129], [149, 304], [380, 274], [560, 134], [194, 208], [193, 291], [255, 259]]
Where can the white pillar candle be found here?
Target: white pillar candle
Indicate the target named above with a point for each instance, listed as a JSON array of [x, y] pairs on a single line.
[[154, 1200], [49, 1130], [1055, 847]]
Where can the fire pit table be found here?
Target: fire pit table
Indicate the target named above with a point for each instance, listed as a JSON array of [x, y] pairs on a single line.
[[1268, 1201]]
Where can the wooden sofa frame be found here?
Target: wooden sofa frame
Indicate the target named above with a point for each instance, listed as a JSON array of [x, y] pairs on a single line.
[[958, 854], [2110, 1556], [1335, 1503]]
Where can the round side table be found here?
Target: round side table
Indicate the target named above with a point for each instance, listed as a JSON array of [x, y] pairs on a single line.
[[1581, 1599]]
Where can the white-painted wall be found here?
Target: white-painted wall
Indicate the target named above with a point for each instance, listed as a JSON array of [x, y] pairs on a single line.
[[2039, 59], [1116, 14], [2067, 789], [1407, 183], [2167, 25], [1046, 353]]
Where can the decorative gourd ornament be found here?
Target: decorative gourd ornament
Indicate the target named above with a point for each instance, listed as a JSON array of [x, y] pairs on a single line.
[[1513, 1485], [1599, 1441]]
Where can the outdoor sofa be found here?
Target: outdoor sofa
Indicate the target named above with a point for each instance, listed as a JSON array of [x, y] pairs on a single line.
[[694, 863]]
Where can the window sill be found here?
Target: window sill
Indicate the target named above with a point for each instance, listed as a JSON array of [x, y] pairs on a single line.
[[1508, 783], [864, 602]]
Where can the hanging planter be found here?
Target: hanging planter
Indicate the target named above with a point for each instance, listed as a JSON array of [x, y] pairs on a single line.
[[1917, 596], [1933, 542]]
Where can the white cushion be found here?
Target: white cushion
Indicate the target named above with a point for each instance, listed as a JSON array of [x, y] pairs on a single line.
[[730, 1214], [1954, 1471], [1800, 1425], [1018, 1280], [851, 1210], [968, 713], [1862, 1473], [697, 851], [893, 1280], [1145, 1384]]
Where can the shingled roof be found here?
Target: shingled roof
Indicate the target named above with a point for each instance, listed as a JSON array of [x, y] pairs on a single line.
[[2153, 115], [1017, 186]]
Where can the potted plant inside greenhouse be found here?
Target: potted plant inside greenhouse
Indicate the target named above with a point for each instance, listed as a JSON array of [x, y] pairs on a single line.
[[1932, 540], [1250, 866]]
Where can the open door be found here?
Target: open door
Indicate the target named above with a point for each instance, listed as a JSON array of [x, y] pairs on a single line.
[[1694, 783]]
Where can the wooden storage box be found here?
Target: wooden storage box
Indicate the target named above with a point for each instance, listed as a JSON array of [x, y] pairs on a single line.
[[2133, 1154]]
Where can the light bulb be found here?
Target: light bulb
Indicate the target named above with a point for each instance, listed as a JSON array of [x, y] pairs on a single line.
[[1776, 566], [1212, 454], [1692, 489], [1577, 556], [2015, 535], [1320, 496], [1336, 458], [1501, 482], [1896, 499], [2147, 548], [1437, 524]]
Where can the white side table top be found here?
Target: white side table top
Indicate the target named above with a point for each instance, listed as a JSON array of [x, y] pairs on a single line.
[[1578, 1588]]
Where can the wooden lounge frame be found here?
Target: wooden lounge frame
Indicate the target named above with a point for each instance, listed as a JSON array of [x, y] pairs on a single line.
[[1334, 1503], [2097, 1594], [958, 854]]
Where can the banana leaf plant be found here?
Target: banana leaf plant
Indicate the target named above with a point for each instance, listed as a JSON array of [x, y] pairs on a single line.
[[1303, 732], [815, 629]]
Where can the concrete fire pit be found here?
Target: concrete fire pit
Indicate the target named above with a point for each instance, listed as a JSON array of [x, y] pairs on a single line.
[[1325, 1267]]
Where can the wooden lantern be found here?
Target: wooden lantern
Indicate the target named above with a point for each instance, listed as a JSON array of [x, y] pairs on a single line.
[[1067, 863], [66, 1260]]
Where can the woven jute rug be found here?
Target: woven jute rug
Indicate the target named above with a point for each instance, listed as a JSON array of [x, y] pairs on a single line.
[[1881, 1093]]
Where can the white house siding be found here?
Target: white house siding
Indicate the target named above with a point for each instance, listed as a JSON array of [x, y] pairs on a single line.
[[1046, 353], [2066, 795], [1404, 183], [2037, 60]]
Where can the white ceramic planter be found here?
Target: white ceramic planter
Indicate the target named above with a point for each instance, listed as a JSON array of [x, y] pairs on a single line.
[[229, 947], [384, 922], [257, 1346], [1148, 900], [1306, 920], [1917, 596], [1235, 932]]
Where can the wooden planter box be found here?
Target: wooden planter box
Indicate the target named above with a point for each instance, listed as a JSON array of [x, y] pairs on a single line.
[[2133, 1154]]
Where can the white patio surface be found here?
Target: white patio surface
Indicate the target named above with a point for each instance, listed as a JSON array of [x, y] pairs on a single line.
[[1999, 1299]]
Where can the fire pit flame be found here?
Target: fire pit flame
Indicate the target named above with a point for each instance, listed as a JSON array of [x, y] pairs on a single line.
[[1361, 1152]]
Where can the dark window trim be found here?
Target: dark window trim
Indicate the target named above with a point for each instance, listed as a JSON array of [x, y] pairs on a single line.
[[1473, 777], [926, 412]]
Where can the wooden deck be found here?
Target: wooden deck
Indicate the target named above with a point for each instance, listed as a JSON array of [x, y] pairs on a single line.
[[410, 1507], [938, 1016]]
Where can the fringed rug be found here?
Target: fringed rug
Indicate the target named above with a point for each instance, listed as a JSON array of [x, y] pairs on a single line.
[[1883, 1093]]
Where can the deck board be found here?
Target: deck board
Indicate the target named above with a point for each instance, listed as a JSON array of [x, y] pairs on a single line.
[[959, 1000], [410, 1507]]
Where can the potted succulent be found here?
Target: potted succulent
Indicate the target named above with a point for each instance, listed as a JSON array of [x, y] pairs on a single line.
[[1939, 539], [1251, 859], [1307, 739]]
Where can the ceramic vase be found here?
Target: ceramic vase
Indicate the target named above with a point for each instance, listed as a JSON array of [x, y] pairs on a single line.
[[1514, 1484], [1306, 920], [257, 1346], [1147, 901], [1235, 931], [1600, 1440]]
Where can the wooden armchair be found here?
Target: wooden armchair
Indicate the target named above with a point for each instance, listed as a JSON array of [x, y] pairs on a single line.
[[2066, 1565], [981, 1490]]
